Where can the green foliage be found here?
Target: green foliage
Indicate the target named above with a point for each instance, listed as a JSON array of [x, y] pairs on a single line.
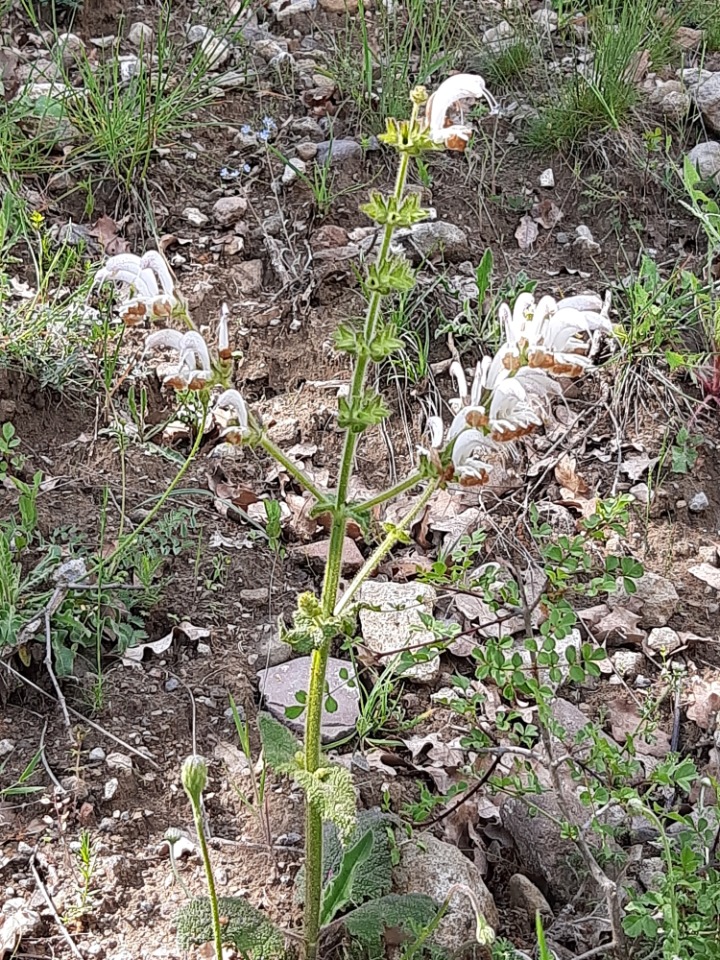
[[375, 878], [366, 410], [385, 208], [245, 928], [311, 628], [11, 460], [685, 451], [331, 790], [280, 748], [337, 894], [510, 65], [394, 918]]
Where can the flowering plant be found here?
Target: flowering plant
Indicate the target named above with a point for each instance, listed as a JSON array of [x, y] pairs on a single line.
[[509, 396]]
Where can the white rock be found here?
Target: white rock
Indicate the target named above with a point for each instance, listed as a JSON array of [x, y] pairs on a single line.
[[708, 574], [216, 50], [499, 38], [110, 788], [628, 663], [197, 33], [283, 10], [547, 178], [128, 67], [119, 761], [6, 747], [546, 19], [396, 623], [68, 48], [194, 216], [229, 210], [584, 240], [672, 97], [661, 641], [293, 168], [140, 34], [707, 98]]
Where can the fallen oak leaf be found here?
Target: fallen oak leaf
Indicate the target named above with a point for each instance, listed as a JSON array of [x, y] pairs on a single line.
[[572, 484], [547, 213]]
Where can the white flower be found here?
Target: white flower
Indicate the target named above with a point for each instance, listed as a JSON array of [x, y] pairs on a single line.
[[141, 274], [191, 348], [463, 86], [223, 336], [469, 468], [550, 335], [232, 400]]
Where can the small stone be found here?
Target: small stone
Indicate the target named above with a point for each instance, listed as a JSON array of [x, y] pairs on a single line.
[[432, 867], [434, 236], [499, 38], [68, 48], [698, 502], [292, 169], [283, 9], [642, 493], [140, 34], [546, 19], [96, 755], [339, 6], [268, 649], [328, 236], [708, 573], [707, 97], [307, 150], [110, 788], [119, 761], [128, 66], [688, 38], [216, 50], [396, 623], [308, 128], [197, 33], [279, 686], [352, 559], [662, 641], [338, 151], [619, 626], [227, 211], [628, 663], [194, 216], [524, 894], [249, 276], [655, 599], [285, 431], [584, 240], [546, 179]]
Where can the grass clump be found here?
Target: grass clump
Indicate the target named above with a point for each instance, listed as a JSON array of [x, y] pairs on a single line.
[[601, 97], [509, 65]]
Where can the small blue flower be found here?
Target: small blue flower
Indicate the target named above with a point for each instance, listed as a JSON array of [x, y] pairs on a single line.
[[229, 173], [264, 135], [246, 168], [269, 123], [246, 129]]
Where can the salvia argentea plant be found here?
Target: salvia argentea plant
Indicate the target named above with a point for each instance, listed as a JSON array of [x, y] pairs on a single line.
[[507, 399]]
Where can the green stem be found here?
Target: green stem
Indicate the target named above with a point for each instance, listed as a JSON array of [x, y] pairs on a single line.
[[331, 582], [295, 471], [210, 879], [378, 555], [391, 492]]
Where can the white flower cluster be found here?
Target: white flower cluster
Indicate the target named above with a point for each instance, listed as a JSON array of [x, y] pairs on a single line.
[[454, 90], [141, 275], [511, 391]]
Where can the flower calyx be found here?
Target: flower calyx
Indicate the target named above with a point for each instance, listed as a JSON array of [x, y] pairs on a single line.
[[387, 209], [311, 629]]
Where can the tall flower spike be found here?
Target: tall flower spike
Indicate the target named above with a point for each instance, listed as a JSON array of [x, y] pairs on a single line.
[[223, 334], [157, 263], [463, 86]]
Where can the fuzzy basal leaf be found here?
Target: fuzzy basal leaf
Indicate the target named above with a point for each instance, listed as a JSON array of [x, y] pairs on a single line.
[[279, 746]]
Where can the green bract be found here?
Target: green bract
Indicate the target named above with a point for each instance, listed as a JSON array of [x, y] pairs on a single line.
[[387, 209]]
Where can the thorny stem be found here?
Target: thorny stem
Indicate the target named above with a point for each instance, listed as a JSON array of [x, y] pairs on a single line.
[[328, 600]]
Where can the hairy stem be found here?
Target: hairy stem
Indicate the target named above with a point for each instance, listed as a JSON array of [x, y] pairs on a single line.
[[209, 878], [294, 469], [331, 582], [402, 487]]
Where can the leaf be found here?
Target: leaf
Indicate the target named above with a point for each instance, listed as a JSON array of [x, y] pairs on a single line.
[[338, 893], [566, 474], [279, 746], [106, 231], [547, 213], [526, 233], [331, 789]]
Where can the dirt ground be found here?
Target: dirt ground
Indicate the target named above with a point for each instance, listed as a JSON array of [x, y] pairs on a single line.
[[116, 771]]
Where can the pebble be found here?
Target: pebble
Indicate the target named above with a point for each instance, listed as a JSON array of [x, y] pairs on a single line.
[[228, 210], [547, 178], [197, 33], [140, 34], [699, 502], [435, 236], [661, 641], [308, 128], [546, 19], [171, 685], [706, 158], [339, 6], [119, 761], [293, 168], [215, 50], [284, 10], [499, 38], [96, 755], [110, 788], [338, 151], [68, 48], [584, 240], [6, 747], [194, 216], [307, 150], [352, 559], [249, 276]]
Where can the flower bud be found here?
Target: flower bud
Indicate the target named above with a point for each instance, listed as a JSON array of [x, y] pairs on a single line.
[[419, 95], [194, 777]]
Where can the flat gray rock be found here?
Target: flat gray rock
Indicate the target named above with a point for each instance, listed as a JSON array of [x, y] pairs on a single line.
[[279, 684]]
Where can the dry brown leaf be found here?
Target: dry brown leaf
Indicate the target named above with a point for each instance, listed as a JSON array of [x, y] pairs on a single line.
[[526, 233], [301, 524], [572, 484], [106, 231], [547, 213]]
